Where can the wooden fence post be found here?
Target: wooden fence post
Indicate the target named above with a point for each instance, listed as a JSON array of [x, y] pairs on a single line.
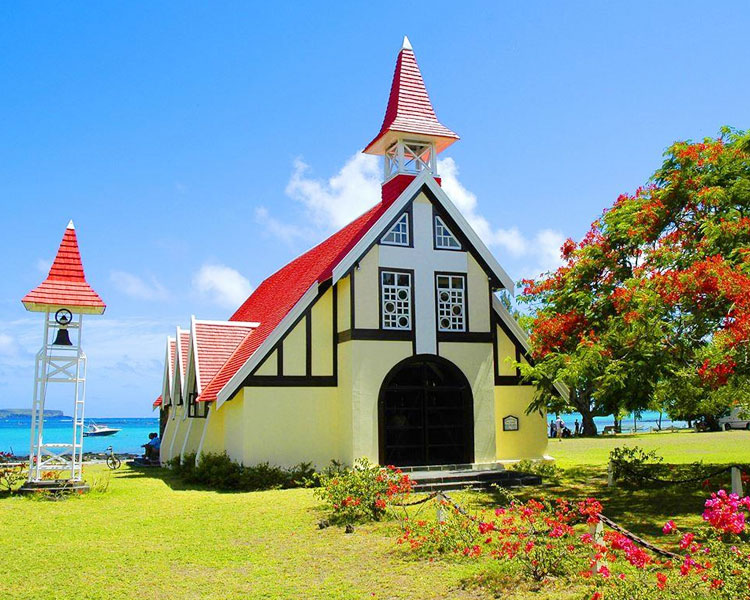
[[596, 531], [610, 475], [737, 482]]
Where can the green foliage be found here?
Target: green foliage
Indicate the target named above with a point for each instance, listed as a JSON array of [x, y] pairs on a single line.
[[220, 472], [630, 463], [548, 471], [362, 493], [652, 308]]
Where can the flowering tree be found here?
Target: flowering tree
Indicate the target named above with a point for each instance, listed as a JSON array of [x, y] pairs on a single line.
[[653, 305]]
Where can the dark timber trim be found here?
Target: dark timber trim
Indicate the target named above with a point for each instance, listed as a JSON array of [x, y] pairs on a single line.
[[308, 343], [465, 336], [291, 381], [410, 223], [375, 334], [280, 359]]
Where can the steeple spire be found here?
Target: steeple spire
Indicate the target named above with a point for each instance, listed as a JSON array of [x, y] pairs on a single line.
[[409, 114]]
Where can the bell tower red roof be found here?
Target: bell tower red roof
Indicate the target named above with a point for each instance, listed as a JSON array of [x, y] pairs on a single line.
[[66, 284], [409, 108]]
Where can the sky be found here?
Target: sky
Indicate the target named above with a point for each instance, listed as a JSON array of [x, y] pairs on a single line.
[[199, 146]]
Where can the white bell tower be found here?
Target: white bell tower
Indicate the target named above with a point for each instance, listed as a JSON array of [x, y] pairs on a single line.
[[64, 297]]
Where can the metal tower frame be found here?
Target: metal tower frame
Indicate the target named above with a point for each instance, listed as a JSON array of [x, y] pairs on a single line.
[[58, 364]]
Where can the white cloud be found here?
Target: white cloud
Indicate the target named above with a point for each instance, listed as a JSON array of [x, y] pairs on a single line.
[[222, 284], [135, 287], [333, 203]]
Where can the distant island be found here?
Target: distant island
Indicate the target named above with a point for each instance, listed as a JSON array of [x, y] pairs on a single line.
[[25, 413]]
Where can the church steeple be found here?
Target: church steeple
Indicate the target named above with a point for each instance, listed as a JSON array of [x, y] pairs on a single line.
[[411, 135]]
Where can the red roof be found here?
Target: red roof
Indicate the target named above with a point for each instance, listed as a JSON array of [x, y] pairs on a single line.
[[66, 283], [157, 402], [172, 356], [277, 295], [214, 342], [409, 108]]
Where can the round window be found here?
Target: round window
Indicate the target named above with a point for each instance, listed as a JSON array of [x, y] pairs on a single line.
[[403, 322], [457, 310], [402, 295], [445, 323], [444, 296], [390, 307]]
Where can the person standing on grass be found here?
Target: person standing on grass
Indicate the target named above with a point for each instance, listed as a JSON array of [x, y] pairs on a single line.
[[552, 428], [578, 427], [560, 425]]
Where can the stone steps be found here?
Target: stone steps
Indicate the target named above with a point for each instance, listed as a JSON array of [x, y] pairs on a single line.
[[457, 479]]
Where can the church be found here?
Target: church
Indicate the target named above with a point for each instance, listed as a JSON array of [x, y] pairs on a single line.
[[385, 341]]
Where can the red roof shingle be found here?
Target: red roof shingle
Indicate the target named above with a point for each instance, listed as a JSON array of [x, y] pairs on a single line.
[[213, 343], [66, 283], [409, 108]]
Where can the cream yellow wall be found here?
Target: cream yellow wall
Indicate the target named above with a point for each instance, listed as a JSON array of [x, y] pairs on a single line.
[[322, 334], [286, 426], [475, 361], [366, 292], [344, 396], [180, 431], [505, 350], [295, 357], [370, 362], [168, 436], [343, 300], [270, 366], [213, 436], [478, 288], [193, 436], [235, 426], [530, 441]]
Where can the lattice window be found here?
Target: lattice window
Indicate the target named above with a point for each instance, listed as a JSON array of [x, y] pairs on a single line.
[[196, 410], [443, 237], [399, 233], [395, 300], [451, 302]]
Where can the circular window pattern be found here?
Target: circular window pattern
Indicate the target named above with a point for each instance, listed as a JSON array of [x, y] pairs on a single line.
[[402, 295], [444, 296], [445, 323], [457, 310], [403, 322], [390, 307]]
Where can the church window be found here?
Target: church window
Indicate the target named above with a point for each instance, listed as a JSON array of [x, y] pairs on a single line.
[[444, 239], [399, 233], [395, 299], [451, 302], [197, 410]]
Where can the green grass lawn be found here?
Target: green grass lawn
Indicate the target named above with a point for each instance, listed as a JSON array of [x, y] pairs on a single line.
[[150, 537]]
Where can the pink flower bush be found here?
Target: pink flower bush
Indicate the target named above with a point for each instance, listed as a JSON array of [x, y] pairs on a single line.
[[725, 512]]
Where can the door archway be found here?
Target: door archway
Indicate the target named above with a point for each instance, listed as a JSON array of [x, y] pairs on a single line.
[[425, 414]]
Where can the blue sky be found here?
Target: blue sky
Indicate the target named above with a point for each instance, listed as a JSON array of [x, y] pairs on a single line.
[[200, 146]]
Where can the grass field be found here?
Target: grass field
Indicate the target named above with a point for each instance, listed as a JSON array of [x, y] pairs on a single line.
[[150, 537]]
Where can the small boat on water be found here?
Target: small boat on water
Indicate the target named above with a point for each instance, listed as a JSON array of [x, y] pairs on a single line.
[[94, 430]]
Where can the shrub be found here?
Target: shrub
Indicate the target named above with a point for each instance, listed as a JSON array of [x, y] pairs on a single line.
[[11, 473], [220, 472], [630, 463], [362, 493], [548, 471]]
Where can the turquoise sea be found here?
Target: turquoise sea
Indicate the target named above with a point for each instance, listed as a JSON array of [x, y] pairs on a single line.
[[14, 434]]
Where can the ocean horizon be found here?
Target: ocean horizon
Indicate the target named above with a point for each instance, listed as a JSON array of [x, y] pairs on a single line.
[[15, 432]]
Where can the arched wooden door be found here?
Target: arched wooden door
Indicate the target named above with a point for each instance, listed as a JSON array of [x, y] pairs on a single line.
[[426, 414]]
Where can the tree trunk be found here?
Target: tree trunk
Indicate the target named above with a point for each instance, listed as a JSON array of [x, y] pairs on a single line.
[[588, 427]]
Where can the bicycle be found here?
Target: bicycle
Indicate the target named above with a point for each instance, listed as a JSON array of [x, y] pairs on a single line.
[[113, 462]]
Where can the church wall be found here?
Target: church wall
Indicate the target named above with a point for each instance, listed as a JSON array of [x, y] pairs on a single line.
[[288, 426], [235, 430], [168, 436], [270, 366], [343, 304], [370, 362], [475, 361], [180, 430], [478, 293], [530, 441], [366, 292], [321, 335], [505, 349], [294, 350], [192, 436], [213, 435], [344, 397]]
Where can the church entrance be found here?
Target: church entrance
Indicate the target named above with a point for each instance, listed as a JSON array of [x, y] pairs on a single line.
[[426, 414]]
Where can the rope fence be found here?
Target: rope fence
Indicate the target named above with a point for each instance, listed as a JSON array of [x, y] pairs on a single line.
[[736, 471]]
